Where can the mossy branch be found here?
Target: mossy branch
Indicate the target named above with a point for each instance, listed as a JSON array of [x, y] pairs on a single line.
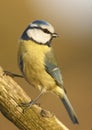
[[35, 118]]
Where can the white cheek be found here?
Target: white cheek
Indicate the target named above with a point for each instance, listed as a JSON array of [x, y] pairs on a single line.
[[38, 35]]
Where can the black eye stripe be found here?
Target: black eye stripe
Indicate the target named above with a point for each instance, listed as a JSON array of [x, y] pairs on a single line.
[[46, 31], [43, 29]]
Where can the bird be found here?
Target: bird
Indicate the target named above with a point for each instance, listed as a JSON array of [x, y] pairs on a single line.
[[38, 65]]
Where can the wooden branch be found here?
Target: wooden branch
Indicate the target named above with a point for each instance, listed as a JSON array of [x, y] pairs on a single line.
[[34, 118]]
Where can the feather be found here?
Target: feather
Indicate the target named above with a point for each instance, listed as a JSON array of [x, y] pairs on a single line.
[[52, 68]]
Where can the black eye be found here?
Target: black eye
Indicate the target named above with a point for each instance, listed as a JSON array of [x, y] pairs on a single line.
[[46, 31]]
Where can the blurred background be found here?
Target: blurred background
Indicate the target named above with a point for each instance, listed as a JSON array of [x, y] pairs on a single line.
[[72, 20]]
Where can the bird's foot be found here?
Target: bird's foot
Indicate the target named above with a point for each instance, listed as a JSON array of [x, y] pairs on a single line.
[[28, 105], [12, 74]]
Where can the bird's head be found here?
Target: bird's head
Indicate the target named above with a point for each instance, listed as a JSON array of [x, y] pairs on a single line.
[[39, 31]]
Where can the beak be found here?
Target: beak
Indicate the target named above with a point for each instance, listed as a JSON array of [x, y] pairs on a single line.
[[54, 35]]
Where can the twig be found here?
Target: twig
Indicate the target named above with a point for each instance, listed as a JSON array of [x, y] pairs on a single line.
[[35, 118]]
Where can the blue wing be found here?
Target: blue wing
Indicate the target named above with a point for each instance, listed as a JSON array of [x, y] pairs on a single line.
[[53, 69]]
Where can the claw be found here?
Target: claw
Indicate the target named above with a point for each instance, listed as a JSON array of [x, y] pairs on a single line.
[[12, 74], [27, 105], [24, 106]]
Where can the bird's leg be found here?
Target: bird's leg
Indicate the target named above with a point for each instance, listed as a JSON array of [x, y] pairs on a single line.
[[32, 102], [12, 74]]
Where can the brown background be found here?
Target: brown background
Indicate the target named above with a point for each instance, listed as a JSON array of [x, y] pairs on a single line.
[[73, 49]]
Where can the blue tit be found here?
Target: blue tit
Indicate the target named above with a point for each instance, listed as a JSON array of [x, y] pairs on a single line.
[[38, 65]]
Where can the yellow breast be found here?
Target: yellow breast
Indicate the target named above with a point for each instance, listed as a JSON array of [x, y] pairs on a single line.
[[33, 55]]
